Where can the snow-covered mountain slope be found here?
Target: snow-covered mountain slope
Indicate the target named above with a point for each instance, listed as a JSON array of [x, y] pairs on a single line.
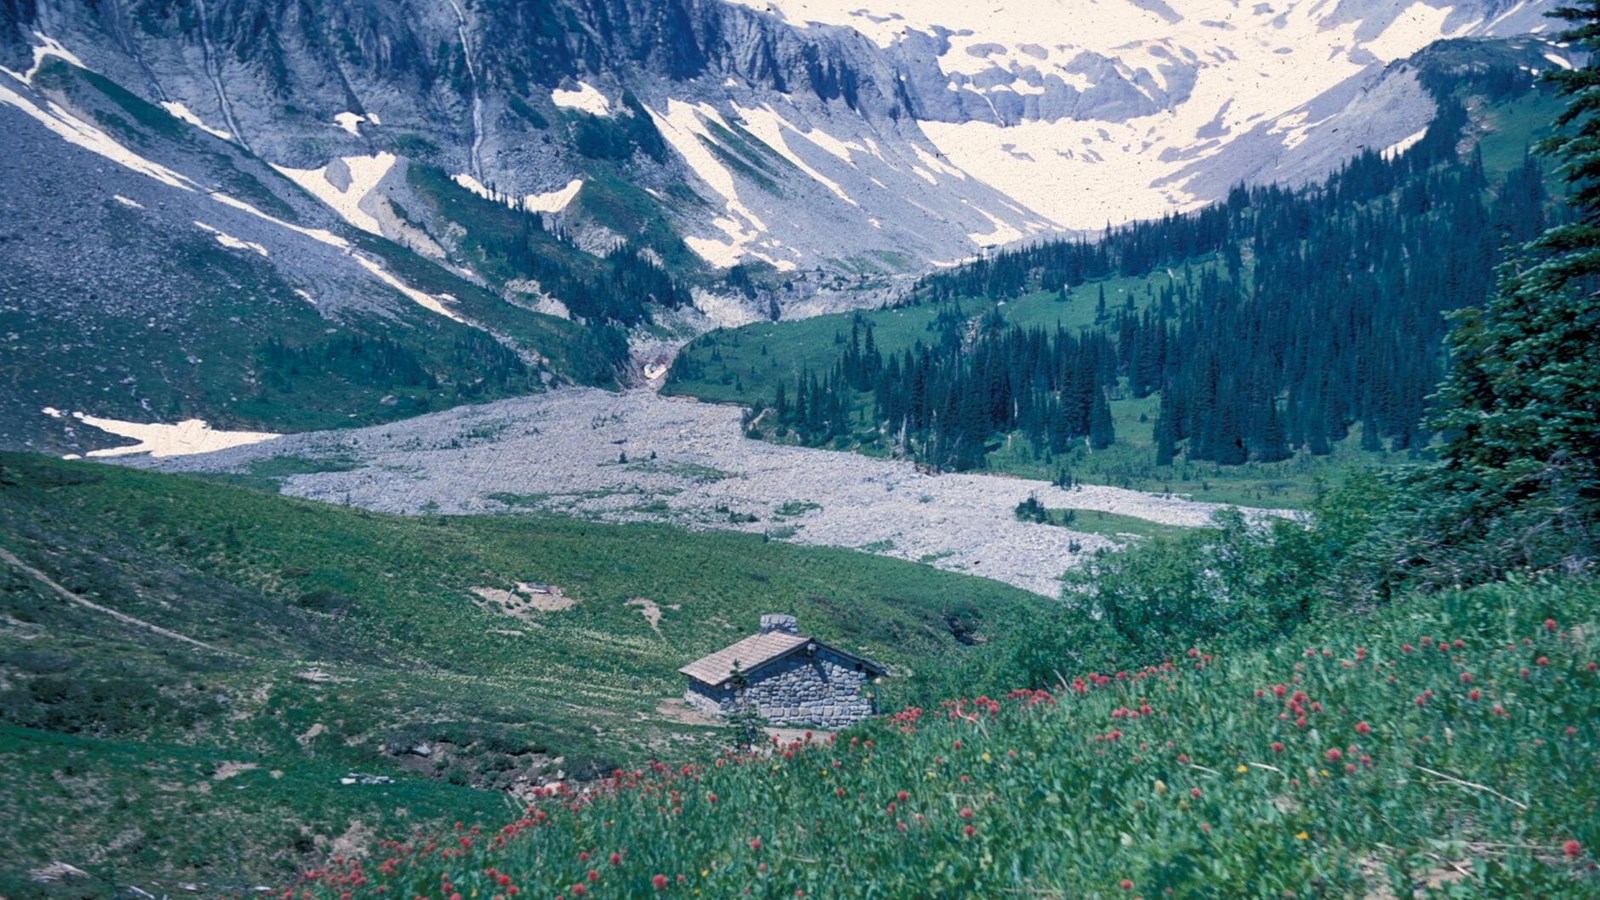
[[842, 135], [1112, 110]]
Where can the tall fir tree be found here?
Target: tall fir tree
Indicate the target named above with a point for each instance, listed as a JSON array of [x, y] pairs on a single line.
[[1520, 407]]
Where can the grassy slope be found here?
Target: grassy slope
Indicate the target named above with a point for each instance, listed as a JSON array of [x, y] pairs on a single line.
[[357, 634], [1194, 779]]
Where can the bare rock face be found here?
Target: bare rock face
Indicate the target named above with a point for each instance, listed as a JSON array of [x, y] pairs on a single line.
[[882, 137]]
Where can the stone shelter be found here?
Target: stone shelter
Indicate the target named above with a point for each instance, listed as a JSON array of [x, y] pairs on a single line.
[[786, 678]]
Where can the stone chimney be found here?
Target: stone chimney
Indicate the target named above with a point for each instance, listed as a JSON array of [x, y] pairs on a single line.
[[778, 622]]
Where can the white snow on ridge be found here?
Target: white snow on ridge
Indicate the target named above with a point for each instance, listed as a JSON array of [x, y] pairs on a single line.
[[350, 122], [766, 124], [128, 202], [229, 241], [182, 112], [424, 300], [586, 99], [1251, 62], [364, 175], [553, 201], [76, 131], [158, 440], [360, 176], [683, 128], [1404, 144], [48, 47], [549, 202]]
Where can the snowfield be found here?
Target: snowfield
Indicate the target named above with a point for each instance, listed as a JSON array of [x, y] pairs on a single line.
[[636, 457]]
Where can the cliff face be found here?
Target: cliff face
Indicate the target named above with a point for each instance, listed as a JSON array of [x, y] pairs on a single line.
[[883, 137]]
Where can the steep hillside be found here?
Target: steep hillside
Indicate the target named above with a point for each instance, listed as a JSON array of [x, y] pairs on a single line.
[[160, 635], [156, 272], [1441, 745], [898, 134]]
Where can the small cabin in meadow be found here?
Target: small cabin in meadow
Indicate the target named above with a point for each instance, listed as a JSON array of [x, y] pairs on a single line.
[[787, 678]]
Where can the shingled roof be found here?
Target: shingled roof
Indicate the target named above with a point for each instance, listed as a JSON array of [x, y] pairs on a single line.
[[776, 640], [751, 653]]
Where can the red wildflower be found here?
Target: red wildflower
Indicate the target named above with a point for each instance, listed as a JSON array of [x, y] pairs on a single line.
[[1543, 661], [1474, 694], [616, 859], [593, 876], [755, 843], [1195, 793], [1572, 849], [659, 882], [1549, 624], [1277, 746], [966, 812], [1335, 755], [1127, 885], [1363, 728], [971, 831]]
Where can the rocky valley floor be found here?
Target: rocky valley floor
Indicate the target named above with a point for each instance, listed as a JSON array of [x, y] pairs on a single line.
[[637, 456]]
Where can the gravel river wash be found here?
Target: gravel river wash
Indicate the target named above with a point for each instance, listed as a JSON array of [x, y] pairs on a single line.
[[637, 456]]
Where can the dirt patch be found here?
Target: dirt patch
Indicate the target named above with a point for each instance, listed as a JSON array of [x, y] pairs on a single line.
[[676, 709], [230, 769], [312, 733], [355, 843], [792, 735], [650, 610], [525, 602], [545, 597]]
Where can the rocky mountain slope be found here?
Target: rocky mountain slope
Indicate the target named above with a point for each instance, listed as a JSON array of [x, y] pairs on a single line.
[[287, 216]]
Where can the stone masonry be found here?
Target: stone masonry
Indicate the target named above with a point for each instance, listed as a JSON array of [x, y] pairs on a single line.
[[819, 689]]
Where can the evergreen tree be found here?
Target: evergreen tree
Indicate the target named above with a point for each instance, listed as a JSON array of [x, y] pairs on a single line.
[[1521, 405]]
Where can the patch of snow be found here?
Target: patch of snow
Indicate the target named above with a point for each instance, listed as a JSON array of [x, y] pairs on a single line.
[[1082, 179], [424, 300], [350, 122], [1412, 30], [1003, 233], [231, 242], [364, 174], [549, 202], [46, 48], [320, 235], [182, 113], [683, 126], [553, 201], [586, 99], [305, 296], [1558, 60], [131, 204], [76, 131], [1404, 144], [765, 123], [185, 438]]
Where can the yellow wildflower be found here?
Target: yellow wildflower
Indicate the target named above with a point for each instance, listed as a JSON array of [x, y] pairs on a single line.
[[1302, 836], [1243, 768]]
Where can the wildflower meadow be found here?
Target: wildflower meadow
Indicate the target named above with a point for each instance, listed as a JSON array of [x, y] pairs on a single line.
[[1446, 744]]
